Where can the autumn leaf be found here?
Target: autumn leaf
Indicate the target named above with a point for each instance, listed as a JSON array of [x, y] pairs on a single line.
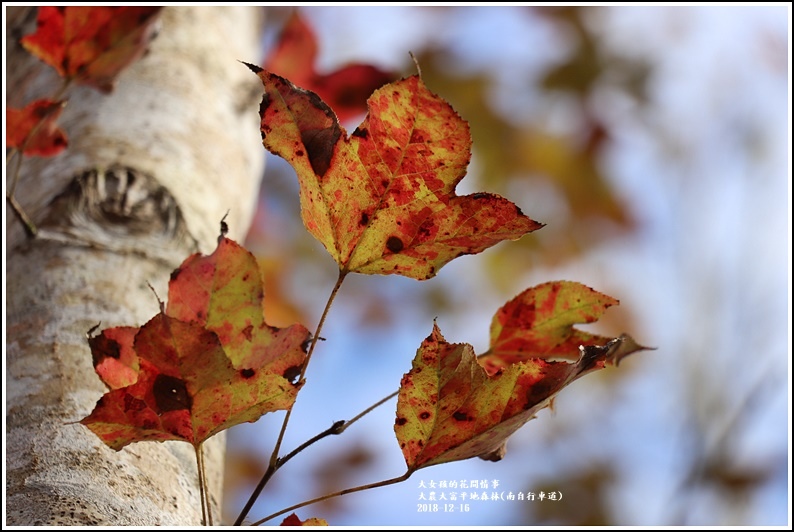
[[383, 200], [187, 389], [293, 520], [33, 130], [345, 90], [224, 293], [538, 323], [208, 363], [92, 45], [449, 409]]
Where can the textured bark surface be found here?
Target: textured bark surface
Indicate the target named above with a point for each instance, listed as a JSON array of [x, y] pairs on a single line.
[[149, 172]]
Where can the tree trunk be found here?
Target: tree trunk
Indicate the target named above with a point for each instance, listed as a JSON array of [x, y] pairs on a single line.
[[149, 172]]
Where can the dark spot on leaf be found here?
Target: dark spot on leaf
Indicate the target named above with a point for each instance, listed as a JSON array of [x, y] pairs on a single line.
[[479, 195], [537, 393], [292, 373], [394, 244], [363, 133], [102, 346], [424, 415], [264, 104], [401, 421], [364, 219], [402, 445], [299, 153], [247, 373], [248, 332], [175, 274], [460, 416], [384, 183], [170, 393], [320, 145], [133, 404]]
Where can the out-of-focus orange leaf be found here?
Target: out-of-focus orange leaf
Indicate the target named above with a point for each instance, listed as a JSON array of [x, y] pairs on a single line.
[[33, 130], [293, 520], [383, 200], [92, 45], [525, 156], [345, 90]]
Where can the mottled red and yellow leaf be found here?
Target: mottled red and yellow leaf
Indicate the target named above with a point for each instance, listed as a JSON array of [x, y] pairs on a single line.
[[33, 130], [450, 408], [224, 293], [382, 200], [92, 45], [209, 362], [538, 323]]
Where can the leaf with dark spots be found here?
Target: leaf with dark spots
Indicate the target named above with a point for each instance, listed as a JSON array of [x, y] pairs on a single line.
[[450, 408], [402, 173], [208, 362], [92, 44], [33, 130], [187, 389]]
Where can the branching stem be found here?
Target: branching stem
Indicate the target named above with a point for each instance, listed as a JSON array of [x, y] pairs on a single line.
[[275, 463], [380, 484]]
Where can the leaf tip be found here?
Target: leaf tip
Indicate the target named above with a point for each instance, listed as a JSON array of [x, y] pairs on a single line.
[[255, 69]]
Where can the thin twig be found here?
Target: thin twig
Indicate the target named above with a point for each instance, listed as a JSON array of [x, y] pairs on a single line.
[[380, 484]]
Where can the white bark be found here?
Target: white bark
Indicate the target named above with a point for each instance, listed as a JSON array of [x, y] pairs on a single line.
[[162, 159]]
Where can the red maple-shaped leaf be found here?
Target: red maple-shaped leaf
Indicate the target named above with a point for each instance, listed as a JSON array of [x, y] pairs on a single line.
[[33, 130], [383, 200], [293, 520], [91, 45], [346, 90], [176, 378], [450, 408]]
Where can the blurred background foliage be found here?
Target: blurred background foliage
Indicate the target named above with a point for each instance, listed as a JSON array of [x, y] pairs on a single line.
[[653, 142]]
